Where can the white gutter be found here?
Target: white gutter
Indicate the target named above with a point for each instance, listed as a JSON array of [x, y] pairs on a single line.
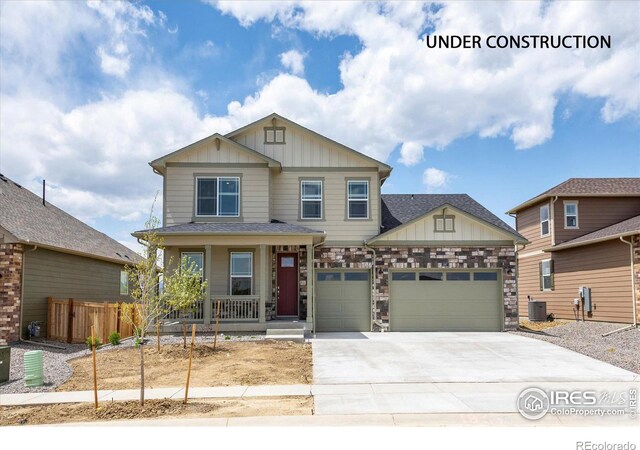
[[373, 289]]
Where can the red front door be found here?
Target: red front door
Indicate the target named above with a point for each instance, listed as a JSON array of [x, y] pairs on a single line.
[[287, 288]]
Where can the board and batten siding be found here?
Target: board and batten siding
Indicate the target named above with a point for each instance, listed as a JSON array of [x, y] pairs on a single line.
[[285, 203], [301, 149], [594, 213], [48, 273], [180, 195], [528, 225], [466, 229], [208, 153], [604, 267]]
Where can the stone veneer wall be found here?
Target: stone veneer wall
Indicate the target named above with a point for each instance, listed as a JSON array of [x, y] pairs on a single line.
[[425, 257], [10, 290], [302, 279]]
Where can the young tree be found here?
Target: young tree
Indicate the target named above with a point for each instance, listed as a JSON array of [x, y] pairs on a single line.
[[144, 278], [183, 288], [181, 291]]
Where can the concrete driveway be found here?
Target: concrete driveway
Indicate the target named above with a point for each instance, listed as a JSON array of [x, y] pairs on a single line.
[[427, 373], [450, 357]]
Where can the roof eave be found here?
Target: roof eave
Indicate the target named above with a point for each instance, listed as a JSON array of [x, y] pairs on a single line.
[[140, 234], [79, 253], [569, 245]]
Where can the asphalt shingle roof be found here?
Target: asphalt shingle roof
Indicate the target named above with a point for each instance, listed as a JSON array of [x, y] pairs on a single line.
[[625, 227], [23, 215], [234, 227], [587, 187], [398, 209]]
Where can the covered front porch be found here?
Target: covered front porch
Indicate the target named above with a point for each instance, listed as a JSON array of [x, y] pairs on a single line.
[[255, 280]]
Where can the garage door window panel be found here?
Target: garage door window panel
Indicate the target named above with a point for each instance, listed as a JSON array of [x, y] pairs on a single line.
[[356, 276], [485, 276], [431, 276], [403, 276], [458, 276], [328, 276]]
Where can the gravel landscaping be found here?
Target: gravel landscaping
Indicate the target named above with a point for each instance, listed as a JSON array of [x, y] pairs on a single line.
[[57, 370], [619, 349]]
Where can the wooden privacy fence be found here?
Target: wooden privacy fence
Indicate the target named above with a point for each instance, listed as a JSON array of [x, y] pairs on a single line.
[[70, 320]]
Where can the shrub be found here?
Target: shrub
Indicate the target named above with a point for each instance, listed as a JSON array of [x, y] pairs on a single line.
[[227, 338], [114, 338], [96, 341]]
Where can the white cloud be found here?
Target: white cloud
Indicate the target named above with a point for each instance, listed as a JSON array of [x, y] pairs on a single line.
[[113, 65], [293, 60], [435, 179], [396, 90], [411, 153]]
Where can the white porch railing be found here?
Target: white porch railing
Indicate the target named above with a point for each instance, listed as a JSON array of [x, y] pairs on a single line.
[[236, 308], [195, 314]]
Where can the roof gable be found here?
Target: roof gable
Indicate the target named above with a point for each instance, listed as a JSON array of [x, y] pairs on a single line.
[[400, 210], [214, 149], [301, 140], [23, 214], [587, 187]]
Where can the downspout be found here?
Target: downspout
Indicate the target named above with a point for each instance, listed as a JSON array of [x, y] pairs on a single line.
[[633, 292], [25, 341]]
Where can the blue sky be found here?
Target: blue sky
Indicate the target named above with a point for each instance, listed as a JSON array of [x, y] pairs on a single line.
[[93, 91]]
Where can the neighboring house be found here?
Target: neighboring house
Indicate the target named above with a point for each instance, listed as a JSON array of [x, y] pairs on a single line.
[[583, 232], [288, 224], [45, 252]]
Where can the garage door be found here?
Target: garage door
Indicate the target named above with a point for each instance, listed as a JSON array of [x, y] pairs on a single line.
[[342, 301], [445, 301]]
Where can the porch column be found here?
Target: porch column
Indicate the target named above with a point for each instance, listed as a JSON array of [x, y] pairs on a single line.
[[208, 275], [265, 280], [310, 280]]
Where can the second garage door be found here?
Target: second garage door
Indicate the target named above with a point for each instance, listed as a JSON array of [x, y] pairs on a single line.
[[445, 301], [343, 300]]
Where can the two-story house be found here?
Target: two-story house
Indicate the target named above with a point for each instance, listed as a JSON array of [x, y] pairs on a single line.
[[288, 224], [584, 232]]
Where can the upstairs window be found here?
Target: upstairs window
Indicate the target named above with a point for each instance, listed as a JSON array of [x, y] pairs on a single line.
[[218, 196], [358, 199], [311, 199], [445, 224], [571, 214], [544, 220], [546, 275], [274, 135]]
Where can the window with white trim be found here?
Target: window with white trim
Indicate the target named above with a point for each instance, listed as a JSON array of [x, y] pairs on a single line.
[[571, 214], [358, 199], [217, 196], [124, 283], [311, 199], [546, 275], [195, 258], [241, 273], [544, 220]]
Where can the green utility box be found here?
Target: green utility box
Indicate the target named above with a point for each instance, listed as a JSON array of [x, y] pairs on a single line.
[[5, 363]]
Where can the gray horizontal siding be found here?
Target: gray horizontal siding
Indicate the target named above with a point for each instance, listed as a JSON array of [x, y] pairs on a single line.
[[62, 275]]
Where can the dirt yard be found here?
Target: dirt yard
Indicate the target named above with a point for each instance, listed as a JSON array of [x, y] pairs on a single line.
[[85, 412], [539, 326], [232, 363]]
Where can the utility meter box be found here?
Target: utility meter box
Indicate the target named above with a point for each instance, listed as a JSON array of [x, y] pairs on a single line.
[[585, 294]]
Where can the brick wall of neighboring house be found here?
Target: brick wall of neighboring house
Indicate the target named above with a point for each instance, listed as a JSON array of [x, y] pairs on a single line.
[[10, 290], [435, 257], [302, 279]]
